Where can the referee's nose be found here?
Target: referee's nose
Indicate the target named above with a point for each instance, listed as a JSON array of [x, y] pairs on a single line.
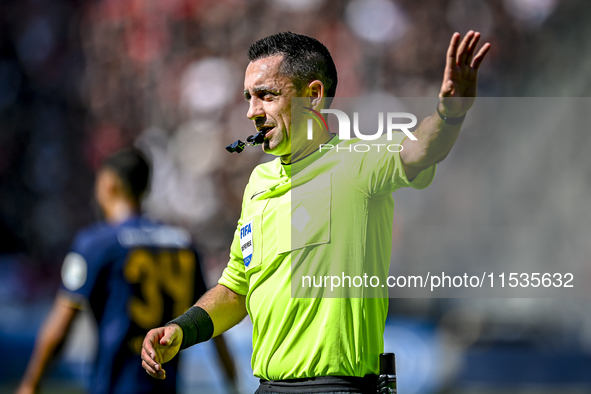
[[255, 109]]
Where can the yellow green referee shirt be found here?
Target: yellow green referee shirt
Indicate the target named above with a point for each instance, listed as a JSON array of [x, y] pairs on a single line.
[[327, 215]]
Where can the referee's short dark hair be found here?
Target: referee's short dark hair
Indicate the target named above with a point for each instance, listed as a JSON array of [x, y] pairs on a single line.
[[305, 59], [133, 168]]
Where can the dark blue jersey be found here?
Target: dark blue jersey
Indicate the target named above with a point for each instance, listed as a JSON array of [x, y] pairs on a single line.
[[135, 276]]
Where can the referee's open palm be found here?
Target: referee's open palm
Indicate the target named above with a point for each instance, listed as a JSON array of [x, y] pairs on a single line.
[[160, 346], [460, 77]]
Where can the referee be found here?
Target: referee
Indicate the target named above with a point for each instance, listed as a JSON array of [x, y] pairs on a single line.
[[315, 345]]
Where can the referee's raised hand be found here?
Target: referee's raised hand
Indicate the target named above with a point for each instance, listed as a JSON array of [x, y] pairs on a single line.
[[460, 77], [160, 346]]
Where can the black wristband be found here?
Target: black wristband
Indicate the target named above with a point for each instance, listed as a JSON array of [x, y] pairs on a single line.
[[450, 121], [196, 324]]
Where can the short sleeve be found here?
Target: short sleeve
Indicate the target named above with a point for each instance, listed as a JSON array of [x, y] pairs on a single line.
[[376, 167], [234, 277], [81, 270]]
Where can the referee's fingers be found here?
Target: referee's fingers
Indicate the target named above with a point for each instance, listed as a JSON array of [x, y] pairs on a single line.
[[152, 338], [151, 366], [155, 374], [452, 50], [167, 339], [148, 361], [148, 353], [480, 56]]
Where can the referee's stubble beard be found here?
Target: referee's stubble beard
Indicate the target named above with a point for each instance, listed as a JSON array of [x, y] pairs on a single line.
[[269, 95]]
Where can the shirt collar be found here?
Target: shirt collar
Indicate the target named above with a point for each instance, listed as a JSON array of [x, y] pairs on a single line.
[[288, 169]]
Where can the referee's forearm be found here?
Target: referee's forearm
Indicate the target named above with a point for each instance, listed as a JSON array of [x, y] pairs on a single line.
[[225, 307], [434, 142]]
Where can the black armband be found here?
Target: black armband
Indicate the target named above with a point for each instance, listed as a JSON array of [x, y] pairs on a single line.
[[196, 324]]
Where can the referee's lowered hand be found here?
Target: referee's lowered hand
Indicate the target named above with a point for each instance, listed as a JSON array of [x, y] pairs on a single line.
[[160, 346]]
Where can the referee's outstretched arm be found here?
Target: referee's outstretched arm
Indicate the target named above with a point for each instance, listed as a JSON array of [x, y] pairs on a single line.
[[217, 311], [437, 133]]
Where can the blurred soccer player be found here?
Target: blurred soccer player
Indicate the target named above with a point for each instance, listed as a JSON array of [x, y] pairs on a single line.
[[134, 274]]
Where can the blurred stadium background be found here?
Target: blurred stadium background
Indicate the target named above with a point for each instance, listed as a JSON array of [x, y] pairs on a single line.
[[80, 79]]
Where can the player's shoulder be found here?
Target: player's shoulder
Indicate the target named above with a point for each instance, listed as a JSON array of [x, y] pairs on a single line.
[[98, 234], [134, 232], [89, 250], [144, 231]]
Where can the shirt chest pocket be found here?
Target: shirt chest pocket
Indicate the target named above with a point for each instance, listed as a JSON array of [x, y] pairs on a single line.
[[303, 215]]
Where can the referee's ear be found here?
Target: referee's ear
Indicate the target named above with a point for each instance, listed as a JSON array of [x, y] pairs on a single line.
[[315, 93]]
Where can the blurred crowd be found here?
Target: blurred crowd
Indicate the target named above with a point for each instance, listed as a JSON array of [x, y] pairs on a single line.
[[80, 79]]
